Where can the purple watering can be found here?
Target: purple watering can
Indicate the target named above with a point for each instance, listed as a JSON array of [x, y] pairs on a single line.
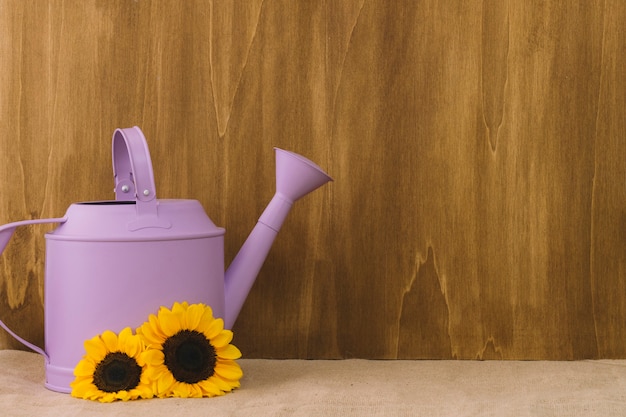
[[109, 264]]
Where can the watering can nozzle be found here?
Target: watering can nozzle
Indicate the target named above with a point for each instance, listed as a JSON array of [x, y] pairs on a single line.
[[296, 176]]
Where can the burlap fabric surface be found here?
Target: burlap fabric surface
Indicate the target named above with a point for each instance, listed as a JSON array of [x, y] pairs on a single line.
[[353, 388]]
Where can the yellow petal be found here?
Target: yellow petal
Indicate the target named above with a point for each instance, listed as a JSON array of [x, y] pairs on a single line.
[[150, 332], [84, 368], [208, 311], [129, 343], [144, 391], [194, 316], [220, 383], [181, 390], [124, 335], [110, 340], [209, 388], [228, 370], [229, 352], [95, 348], [222, 339], [144, 379], [179, 307], [78, 381], [198, 391], [82, 388], [107, 398], [231, 383], [93, 395], [133, 346], [170, 322], [153, 357], [123, 395], [154, 372], [165, 382], [214, 328], [206, 321]]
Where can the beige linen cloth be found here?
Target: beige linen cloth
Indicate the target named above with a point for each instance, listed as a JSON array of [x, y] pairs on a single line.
[[353, 388]]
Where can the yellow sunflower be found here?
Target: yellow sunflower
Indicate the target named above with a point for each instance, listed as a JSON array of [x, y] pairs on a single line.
[[189, 353], [111, 369]]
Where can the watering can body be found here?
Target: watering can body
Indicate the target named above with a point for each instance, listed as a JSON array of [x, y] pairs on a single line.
[[109, 264], [103, 279]]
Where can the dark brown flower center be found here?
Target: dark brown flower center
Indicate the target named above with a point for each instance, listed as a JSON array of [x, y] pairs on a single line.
[[189, 356], [117, 372]]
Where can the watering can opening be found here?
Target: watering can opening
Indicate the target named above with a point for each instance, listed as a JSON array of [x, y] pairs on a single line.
[[106, 203]]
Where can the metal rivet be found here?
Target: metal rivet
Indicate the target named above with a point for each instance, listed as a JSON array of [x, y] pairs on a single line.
[[125, 188], [146, 192]]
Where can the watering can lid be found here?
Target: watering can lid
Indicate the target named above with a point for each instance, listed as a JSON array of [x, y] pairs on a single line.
[[136, 214], [117, 221]]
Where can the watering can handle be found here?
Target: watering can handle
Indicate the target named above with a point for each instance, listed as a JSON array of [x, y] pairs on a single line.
[[134, 177], [132, 166], [6, 231]]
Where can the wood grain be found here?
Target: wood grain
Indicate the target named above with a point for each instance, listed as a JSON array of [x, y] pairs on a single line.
[[478, 209]]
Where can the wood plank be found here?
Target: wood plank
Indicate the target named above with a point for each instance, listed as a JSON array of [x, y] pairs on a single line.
[[477, 149]]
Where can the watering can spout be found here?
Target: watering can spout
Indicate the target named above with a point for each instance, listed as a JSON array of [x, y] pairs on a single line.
[[296, 176]]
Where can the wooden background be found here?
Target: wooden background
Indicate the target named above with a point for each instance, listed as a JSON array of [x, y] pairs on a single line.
[[478, 150]]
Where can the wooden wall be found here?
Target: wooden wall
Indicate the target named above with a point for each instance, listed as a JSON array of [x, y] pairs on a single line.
[[478, 150]]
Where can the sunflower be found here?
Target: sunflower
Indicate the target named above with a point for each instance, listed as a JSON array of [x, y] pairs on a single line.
[[189, 353], [111, 369]]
